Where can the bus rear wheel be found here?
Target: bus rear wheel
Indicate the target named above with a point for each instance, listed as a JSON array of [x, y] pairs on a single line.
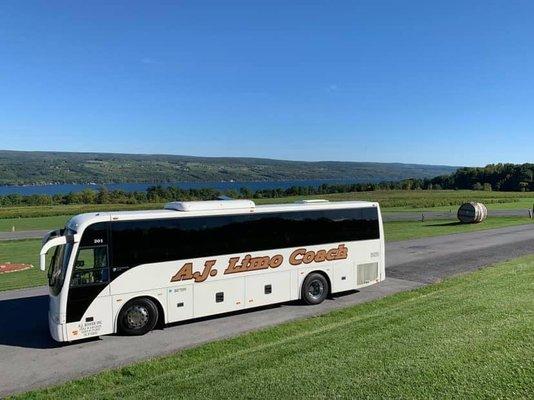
[[138, 317], [314, 289]]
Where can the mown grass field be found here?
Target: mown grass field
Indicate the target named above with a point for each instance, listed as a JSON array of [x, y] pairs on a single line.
[[418, 200], [15, 213], [33, 223], [27, 251], [470, 336], [21, 251], [390, 200], [404, 230]]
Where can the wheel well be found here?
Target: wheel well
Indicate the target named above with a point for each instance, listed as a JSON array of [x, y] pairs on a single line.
[[161, 314], [325, 275]]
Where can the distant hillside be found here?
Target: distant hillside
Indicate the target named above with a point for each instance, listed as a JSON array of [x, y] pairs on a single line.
[[29, 167]]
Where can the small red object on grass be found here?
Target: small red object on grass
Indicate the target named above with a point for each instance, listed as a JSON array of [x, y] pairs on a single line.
[[9, 267]]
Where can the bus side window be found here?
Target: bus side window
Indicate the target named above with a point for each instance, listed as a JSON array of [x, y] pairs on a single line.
[[90, 266]]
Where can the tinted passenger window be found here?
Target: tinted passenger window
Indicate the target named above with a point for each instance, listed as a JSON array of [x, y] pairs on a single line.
[[148, 241]]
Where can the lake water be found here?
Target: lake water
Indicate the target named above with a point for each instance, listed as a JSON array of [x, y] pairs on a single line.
[[131, 187]]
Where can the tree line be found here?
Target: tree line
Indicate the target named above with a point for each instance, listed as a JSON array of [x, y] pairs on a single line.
[[161, 194], [498, 177]]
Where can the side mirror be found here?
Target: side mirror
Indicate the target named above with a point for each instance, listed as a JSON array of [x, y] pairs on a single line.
[[57, 241], [52, 242]]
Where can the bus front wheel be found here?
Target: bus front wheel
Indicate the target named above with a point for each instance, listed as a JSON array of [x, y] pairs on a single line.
[[138, 317], [314, 289]]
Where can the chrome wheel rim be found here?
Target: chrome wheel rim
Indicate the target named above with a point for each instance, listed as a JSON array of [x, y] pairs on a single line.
[[137, 317], [316, 289]]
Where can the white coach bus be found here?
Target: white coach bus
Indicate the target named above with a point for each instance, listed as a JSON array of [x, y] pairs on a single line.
[[128, 271]]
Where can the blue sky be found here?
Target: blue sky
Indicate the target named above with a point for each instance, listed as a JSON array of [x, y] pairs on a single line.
[[448, 82]]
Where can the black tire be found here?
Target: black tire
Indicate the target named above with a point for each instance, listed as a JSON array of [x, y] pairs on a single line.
[[314, 289], [138, 317]]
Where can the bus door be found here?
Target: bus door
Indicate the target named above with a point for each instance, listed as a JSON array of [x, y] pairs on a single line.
[[89, 302]]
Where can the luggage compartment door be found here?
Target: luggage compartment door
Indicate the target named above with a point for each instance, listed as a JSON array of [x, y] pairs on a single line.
[[268, 289], [218, 297]]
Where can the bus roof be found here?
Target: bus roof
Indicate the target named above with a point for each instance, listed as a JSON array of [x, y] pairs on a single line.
[[80, 221]]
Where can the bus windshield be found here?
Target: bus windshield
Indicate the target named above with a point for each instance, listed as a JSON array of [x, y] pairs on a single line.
[[58, 267]]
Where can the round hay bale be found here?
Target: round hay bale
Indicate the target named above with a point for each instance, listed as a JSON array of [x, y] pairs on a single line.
[[472, 213]]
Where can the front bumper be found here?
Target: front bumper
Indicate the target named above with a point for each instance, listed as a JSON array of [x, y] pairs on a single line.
[[57, 330]]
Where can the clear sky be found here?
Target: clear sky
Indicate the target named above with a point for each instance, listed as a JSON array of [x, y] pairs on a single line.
[[449, 82]]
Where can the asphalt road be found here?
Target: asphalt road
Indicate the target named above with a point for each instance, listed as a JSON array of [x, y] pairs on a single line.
[[17, 235], [30, 359]]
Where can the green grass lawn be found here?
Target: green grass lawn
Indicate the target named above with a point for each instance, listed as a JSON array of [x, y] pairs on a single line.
[[21, 251], [404, 230], [526, 203], [27, 251], [68, 210], [470, 336], [419, 200], [33, 223]]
